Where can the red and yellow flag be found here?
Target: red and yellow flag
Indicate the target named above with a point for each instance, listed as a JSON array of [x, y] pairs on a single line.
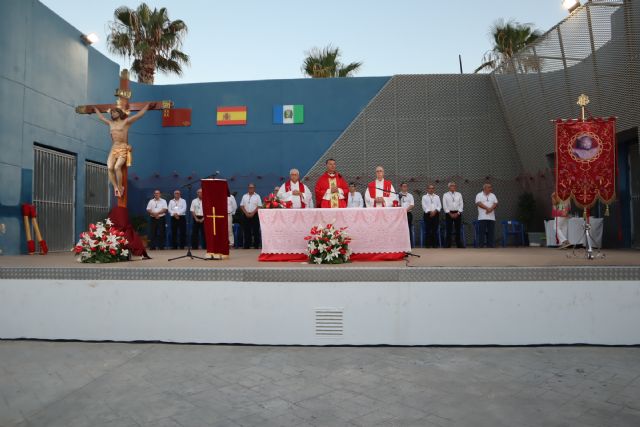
[[231, 116]]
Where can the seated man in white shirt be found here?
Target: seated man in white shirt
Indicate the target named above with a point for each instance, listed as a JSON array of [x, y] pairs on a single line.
[[487, 202], [380, 192], [251, 225], [197, 226], [178, 210], [157, 209], [354, 197], [431, 207], [452, 204], [294, 194], [406, 201]]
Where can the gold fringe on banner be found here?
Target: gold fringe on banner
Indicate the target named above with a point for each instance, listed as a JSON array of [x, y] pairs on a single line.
[[606, 210]]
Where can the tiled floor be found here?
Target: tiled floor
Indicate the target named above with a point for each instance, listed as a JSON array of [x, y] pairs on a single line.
[[162, 385]]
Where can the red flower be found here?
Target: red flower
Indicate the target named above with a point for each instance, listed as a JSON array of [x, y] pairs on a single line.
[[314, 230], [92, 227], [314, 252], [94, 248], [343, 251], [92, 235], [112, 251], [308, 238], [329, 226], [78, 249]]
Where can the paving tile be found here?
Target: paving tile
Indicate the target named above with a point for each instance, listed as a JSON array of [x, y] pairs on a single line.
[[150, 407], [111, 384], [201, 417], [628, 397]]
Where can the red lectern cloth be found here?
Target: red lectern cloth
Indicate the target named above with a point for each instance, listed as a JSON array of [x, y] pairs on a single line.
[[214, 207], [586, 160]]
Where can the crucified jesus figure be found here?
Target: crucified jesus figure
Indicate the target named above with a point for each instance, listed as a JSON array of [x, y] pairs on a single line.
[[119, 127]]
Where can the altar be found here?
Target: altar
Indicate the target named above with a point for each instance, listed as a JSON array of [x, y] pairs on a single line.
[[377, 234]]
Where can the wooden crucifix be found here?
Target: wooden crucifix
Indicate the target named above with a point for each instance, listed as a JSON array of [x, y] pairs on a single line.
[[120, 156]]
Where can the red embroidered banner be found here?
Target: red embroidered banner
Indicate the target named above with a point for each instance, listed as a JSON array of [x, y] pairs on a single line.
[[586, 160]]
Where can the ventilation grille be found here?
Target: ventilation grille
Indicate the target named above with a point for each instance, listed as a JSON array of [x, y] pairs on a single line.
[[329, 322]]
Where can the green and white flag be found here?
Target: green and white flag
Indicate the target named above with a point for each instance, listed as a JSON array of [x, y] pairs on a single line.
[[288, 114]]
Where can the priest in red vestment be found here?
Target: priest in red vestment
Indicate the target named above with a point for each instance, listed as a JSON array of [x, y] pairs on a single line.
[[331, 189], [380, 193]]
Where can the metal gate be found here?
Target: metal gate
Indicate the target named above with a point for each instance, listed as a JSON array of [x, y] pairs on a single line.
[[54, 187], [96, 194]]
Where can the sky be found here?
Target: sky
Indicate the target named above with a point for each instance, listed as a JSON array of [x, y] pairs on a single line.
[[261, 39]]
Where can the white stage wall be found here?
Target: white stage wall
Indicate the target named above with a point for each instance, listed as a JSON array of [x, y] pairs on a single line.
[[397, 313]]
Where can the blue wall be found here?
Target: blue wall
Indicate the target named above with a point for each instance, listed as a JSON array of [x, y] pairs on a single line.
[[44, 74], [260, 151], [46, 71]]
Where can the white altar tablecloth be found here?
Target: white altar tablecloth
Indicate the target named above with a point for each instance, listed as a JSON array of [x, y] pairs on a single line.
[[372, 230], [575, 234]]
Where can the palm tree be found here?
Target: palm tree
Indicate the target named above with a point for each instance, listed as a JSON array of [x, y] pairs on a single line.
[[151, 38], [509, 38], [323, 63]]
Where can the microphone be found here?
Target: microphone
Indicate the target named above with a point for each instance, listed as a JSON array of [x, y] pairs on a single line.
[[388, 191]]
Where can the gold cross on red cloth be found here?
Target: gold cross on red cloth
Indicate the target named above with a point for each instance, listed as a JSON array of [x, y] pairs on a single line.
[[213, 218]]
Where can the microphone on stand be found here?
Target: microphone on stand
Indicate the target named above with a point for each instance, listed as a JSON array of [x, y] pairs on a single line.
[[388, 191]]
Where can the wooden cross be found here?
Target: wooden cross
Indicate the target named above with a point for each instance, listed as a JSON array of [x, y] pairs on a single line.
[[123, 93], [213, 218]]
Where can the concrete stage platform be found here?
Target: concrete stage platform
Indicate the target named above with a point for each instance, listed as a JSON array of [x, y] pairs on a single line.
[[513, 296]]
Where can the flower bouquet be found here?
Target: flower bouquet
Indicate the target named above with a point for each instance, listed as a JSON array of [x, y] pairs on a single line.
[[101, 244], [328, 245], [272, 202]]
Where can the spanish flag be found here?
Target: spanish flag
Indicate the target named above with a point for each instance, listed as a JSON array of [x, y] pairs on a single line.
[[232, 116]]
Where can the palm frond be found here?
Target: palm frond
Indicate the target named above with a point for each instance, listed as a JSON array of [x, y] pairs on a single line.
[[349, 70], [510, 38], [150, 38], [325, 62]]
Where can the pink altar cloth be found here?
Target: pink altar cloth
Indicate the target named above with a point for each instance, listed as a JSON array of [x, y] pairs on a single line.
[[376, 233]]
